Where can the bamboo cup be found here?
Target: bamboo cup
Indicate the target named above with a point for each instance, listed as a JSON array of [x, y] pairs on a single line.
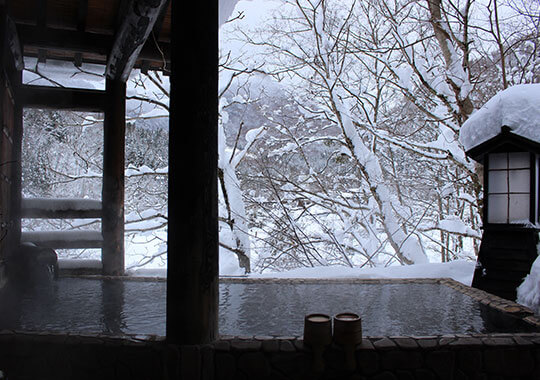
[[317, 335], [348, 333]]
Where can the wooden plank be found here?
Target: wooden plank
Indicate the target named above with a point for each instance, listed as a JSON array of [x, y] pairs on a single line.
[[192, 269], [64, 239], [41, 14], [131, 37], [76, 41], [62, 98], [65, 208], [82, 42], [114, 127], [82, 14]]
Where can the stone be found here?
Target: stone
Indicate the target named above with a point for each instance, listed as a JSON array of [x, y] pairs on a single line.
[[392, 360], [246, 345], [270, 346], [294, 365], [286, 346], [254, 364], [384, 344], [299, 344], [190, 362], [518, 362], [222, 345], [225, 366], [428, 343], [385, 376], [404, 375], [367, 362], [442, 363], [493, 361], [459, 375], [406, 343], [494, 341], [207, 362], [263, 337], [466, 341], [522, 341], [424, 374], [469, 361], [447, 340], [365, 345]]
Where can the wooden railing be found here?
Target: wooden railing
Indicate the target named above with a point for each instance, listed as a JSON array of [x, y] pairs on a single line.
[[62, 208]]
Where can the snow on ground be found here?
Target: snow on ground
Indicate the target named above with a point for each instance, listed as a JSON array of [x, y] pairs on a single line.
[[459, 270], [517, 107], [528, 293]]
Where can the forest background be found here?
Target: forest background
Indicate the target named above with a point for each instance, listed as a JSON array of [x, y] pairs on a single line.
[[338, 133]]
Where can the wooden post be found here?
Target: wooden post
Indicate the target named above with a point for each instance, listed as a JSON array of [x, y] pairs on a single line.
[[112, 225], [16, 182], [192, 277]]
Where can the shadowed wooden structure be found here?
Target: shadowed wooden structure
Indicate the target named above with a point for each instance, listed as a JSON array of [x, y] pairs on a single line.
[[121, 35]]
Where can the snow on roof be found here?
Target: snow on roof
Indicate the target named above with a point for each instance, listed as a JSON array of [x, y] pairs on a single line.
[[517, 107]]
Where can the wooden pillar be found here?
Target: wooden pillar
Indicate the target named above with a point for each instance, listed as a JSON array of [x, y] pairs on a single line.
[[192, 277], [112, 254], [10, 141], [16, 182]]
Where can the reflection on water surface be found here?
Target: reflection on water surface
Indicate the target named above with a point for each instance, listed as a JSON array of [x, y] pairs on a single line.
[[138, 307]]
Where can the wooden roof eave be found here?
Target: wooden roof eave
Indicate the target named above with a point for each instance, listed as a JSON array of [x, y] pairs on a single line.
[[506, 137], [63, 44], [131, 37]]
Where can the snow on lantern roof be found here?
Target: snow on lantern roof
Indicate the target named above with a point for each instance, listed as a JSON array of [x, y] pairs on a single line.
[[517, 107]]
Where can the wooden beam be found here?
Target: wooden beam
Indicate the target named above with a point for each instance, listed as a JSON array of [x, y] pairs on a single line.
[[41, 14], [14, 44], [42, 56], [75, 41], [64, 239], [192, 267], [77, 60], [82, 15], [131, 37], [62, 98], [83, 42], [61, 208], [112, 254]]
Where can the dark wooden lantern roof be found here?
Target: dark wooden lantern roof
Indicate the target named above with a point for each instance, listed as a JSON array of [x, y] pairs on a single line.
[[506, 141], [117, 33]]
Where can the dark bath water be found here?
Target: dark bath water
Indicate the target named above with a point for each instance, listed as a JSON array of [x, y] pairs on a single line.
[[137, 307]]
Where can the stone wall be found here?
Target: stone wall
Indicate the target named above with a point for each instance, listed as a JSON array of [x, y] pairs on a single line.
[[63, 356], [383, 358]]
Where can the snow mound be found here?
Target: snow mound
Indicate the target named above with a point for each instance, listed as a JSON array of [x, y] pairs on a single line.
[[517, 107], [528, 293], [459, 270]]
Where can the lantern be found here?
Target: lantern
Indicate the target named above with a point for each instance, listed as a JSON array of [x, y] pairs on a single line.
[[510, 214]]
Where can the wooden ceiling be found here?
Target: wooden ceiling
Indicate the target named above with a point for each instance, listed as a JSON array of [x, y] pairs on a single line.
[[93, 30]]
